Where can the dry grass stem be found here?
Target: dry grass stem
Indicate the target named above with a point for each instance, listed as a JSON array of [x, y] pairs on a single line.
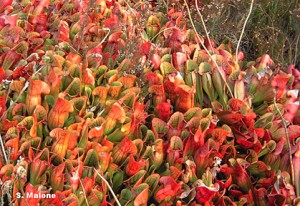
[[105, 29], [243, 31], [109, 187], [3, 150], [287, 139], [203, 23], [83, 192], [202, 44], [169, 28], [13, 103]]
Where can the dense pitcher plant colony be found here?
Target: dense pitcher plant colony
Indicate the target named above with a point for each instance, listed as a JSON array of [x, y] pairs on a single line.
[[116, 103]]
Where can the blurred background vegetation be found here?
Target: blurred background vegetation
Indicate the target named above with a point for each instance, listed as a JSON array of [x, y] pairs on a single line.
[[273, 27]]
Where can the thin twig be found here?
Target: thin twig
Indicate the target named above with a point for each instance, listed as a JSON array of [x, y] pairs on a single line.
[[12, 103], [166, 4], [21, 92], [83, 192], [77, 52], [109, 187], [130, 8], [23, 192], [37, 71], [202, 44], [287, 139], [107, 29], [3, 150], [173, 27], [243, 31], [203, 24]]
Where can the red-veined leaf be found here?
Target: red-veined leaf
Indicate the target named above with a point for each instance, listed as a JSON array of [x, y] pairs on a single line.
[[59, 113], [123, 149], [134, 166]]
